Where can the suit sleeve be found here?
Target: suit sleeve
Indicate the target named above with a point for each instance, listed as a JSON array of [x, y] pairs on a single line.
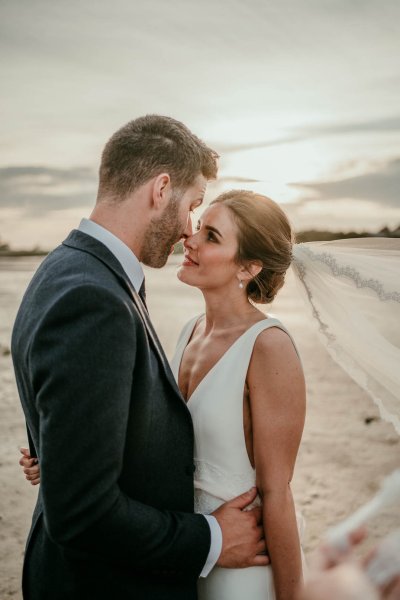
[[81, 362]]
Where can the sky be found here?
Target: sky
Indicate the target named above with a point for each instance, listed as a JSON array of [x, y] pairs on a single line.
[[299, 97]]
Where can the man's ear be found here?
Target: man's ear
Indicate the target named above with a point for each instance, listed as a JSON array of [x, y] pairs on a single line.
[[161, 192], [250, 270]]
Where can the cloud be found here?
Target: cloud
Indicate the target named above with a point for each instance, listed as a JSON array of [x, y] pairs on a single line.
[[389, 124], [55, 175], [234, 180], [38, 189], [233, 148], [379, 186], [372, 125]]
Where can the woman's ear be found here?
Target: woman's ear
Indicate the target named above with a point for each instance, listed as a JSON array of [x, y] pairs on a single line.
[[249, 271]]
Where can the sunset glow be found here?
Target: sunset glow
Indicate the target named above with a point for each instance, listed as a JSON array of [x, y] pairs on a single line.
[[300, 99]]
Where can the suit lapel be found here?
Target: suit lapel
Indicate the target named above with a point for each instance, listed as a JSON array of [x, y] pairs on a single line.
[[153, 336], [86, 243]]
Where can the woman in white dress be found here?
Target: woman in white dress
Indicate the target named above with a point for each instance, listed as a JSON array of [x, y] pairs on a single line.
[[241, 376]]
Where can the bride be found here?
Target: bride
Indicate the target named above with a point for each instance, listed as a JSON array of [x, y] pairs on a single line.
[[241, 376]]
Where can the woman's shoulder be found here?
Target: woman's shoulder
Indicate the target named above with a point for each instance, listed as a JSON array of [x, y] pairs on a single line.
[[275, 368], [274, 342]]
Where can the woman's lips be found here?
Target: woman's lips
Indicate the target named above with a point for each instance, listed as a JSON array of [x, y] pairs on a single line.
[[188, 262]]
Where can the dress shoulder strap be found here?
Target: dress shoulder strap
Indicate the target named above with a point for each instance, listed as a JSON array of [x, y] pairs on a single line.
[[181, 344], [187, 330], [248, 339]]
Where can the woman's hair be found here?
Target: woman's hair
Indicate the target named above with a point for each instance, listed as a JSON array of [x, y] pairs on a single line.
[[264, 236]]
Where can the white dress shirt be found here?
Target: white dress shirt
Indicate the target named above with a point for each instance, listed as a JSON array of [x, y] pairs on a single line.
[[134, 271]]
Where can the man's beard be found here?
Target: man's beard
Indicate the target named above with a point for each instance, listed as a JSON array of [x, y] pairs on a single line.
[[161, 235]]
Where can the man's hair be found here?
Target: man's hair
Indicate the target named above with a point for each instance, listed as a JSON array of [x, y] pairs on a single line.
[[148, 146]]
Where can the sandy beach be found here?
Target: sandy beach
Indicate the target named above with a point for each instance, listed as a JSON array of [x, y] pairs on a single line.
[[346, 450]]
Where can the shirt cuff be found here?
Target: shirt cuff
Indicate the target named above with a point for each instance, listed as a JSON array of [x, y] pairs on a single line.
[[216, 545]]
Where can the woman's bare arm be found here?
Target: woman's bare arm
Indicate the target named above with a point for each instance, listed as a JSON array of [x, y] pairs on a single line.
[[277, 403]]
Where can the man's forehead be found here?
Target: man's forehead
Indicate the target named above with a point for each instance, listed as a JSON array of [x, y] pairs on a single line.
[[201, 183], [197, 191]]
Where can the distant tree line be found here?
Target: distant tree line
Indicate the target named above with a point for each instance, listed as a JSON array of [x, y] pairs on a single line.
[[316, 235], [6, 250], [308, 235]]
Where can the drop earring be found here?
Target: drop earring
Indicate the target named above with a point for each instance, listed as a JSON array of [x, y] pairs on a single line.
[[241, 284]]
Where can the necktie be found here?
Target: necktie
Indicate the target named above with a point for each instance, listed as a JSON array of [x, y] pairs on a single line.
[[142, 293]]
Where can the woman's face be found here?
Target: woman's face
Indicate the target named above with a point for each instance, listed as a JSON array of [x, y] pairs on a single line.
[[210, 252]]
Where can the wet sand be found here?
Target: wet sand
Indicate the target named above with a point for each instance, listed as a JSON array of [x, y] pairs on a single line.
[[346, 449]]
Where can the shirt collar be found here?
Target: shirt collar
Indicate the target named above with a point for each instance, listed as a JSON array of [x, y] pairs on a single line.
[[122, 253]]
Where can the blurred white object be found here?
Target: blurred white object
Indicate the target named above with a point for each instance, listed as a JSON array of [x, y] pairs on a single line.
[[388, 495], [385, 564], [353, 290], [346, 581]]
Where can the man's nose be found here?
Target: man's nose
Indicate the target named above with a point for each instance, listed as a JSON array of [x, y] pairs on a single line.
[[188, 229]]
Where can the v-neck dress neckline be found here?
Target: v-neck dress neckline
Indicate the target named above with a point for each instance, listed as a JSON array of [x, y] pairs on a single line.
[[217, 363]]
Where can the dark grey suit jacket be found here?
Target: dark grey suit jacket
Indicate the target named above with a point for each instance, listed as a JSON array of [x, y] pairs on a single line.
[[113, 435]]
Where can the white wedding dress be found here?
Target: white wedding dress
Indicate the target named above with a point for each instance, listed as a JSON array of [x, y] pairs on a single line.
[[223, 470]]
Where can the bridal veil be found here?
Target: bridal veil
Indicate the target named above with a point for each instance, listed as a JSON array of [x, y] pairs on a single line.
[[352, 288]]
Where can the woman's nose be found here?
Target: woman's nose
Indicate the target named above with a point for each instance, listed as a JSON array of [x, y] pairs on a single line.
[[190, 241]]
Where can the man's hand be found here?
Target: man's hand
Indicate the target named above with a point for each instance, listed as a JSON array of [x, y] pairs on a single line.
[[30, 466], [243, 543]]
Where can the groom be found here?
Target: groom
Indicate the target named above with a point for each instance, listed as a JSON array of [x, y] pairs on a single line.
[[114, 438]]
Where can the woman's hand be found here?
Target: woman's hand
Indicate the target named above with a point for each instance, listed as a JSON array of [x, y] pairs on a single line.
[[30, 466]]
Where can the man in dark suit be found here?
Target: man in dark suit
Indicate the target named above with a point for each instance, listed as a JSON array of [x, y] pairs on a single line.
[[114, 438]]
